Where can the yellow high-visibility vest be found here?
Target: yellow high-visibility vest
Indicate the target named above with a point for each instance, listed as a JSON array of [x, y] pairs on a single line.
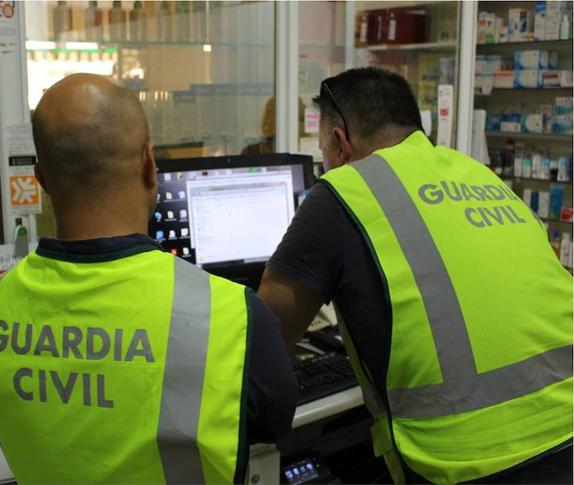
[[480, 371], [130, 370]]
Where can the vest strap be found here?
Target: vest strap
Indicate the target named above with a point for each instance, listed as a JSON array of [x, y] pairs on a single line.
[[383, 445], [184, 376]]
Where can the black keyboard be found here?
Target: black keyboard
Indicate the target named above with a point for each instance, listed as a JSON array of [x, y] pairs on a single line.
[[323, 375]]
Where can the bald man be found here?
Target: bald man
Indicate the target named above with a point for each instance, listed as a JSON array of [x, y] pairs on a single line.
[[120, 363]]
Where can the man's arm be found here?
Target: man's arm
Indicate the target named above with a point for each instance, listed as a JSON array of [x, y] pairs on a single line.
[[272, 391], [304, 271], [294, 304]]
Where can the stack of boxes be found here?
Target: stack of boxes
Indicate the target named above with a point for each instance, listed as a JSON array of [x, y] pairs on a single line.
[[544, 118], [535, 68], [551, 20]]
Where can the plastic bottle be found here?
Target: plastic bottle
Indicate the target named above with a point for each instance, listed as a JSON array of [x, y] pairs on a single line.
[[554, 169], [118, 18], [361, 28], [94, 23], [62, 19], [565, 28], [392, 27], [565, 249], [21, 241], [138, 23], [555, 242], [545, 169], [164, 30], [563, 175], [537, 165], [182, 12]]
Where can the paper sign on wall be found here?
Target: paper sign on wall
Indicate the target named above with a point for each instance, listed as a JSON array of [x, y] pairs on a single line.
[[445, 114], [312, 118], [25, 195], [8, 26]]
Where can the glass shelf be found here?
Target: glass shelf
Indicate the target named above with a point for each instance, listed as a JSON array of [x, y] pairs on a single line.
[[211, 84], [527, 90], [542, 43], [530, 136], [425, 46], [525, 179], [554, 221], [86, 46]]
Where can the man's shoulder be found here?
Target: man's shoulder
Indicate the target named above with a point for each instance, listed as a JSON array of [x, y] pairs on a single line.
[[320, 202]]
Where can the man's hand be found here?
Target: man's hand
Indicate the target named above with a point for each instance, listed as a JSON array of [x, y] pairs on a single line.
[[292, 302]]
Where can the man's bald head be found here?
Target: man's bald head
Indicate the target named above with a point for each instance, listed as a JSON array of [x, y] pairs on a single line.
[[89, 135]]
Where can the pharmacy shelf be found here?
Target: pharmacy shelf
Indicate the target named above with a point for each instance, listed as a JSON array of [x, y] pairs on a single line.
[[424, 46], [555, 221], [547, 44], [526, 90], [526, 179], [87, 46], [530, 136], [317, 45]]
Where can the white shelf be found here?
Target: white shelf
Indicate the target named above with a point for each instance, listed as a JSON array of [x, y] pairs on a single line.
[[544, 43], [425, 46], [86, 46], [529, 136], [525, 179], [527, 90]]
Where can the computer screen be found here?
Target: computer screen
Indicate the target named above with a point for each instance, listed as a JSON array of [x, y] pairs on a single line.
[[228, 211]]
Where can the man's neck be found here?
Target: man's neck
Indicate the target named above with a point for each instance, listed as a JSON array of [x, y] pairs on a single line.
[[387, 139], [79, 223], [95, 231]]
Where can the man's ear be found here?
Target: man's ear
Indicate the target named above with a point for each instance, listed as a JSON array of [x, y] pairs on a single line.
[[40, 177], [149, 166], [343, 148]]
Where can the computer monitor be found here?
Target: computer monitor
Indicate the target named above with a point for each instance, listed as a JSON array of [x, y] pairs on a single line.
[[228, 214]]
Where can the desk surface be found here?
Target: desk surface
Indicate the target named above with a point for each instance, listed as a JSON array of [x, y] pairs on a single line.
[[327, 406]]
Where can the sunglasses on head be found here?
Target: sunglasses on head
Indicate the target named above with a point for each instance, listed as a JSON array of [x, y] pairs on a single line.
[[325, 89]]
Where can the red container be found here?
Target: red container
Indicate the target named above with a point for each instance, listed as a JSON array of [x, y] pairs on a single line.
[[405, 26], [378, 26]]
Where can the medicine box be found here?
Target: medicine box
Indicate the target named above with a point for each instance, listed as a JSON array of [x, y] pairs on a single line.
[[566, 79], [532, 123], [551, 79], [486, 28], [519, 21], [543, 203], [510, 126], [480, 64], [553, 18], [504, 79], [484, 82], [535, 59], [563, 124], [563, 105], [493, 122], [547, 111], [540, 20], [528, 78]]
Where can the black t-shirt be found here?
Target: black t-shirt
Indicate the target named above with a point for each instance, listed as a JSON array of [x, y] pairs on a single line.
[[324, 250]]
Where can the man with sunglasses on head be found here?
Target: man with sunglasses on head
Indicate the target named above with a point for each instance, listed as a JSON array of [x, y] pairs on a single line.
[[454, 309]]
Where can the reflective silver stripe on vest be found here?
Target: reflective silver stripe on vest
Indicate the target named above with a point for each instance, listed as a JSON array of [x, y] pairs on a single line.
[[184, 374], [486, 389], [462, 389]]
